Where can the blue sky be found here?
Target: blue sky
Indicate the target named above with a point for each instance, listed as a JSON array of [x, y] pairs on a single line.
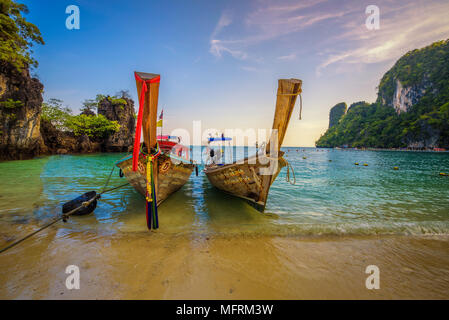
[[220, 60]]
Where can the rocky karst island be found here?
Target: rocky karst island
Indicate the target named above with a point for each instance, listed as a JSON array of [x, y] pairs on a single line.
[[30, 127], [411, 110]]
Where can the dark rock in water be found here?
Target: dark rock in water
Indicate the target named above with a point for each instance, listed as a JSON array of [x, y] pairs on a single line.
[[20, 109], [122, 111]]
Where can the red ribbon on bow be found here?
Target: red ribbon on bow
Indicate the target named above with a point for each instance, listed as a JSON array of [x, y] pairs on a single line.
[[140, 116]]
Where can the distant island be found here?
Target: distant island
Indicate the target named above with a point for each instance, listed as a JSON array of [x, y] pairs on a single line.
[[411, 110]]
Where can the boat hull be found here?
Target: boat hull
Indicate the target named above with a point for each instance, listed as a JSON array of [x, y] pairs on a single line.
[[171, 175], [246, 180]]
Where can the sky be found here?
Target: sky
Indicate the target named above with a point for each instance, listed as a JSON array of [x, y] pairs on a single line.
[[220, 60]]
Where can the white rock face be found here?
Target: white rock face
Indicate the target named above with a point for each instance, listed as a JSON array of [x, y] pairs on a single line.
[[406, 97]]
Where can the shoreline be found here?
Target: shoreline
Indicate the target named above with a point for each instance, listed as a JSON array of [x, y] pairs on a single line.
[[160, 266]]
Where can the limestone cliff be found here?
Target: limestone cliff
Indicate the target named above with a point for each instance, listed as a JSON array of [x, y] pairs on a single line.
[[122, 111], [20, 107], [405, 97], [336, 113], [412, 107]]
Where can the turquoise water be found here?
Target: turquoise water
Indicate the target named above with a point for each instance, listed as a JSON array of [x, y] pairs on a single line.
[[330, 197]]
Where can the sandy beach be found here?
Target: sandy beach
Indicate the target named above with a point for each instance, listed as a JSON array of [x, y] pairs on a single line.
[[161, 266]]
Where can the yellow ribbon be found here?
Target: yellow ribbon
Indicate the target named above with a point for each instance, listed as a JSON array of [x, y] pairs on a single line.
[[149, 169]]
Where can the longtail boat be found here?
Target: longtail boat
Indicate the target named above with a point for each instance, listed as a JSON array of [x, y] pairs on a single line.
[[252, 177], [161, 165]]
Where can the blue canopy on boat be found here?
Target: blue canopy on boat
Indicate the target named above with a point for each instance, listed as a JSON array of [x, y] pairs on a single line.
[[220, 139]]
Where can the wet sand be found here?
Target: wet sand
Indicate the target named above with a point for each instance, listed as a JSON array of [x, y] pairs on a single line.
[[161, 266]]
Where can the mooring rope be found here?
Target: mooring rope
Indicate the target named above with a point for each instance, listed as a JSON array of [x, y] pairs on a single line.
[[65, 216], [289, 167]]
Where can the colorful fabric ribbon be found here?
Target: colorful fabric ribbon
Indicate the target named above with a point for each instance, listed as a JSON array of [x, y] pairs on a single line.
[[140, 116], [151, 200]]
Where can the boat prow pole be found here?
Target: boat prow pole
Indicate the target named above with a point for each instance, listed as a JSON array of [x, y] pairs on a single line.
[[287, 93]]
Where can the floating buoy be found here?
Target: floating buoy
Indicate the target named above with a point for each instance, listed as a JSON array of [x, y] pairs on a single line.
[[396, 168], [304, 157], [356, 163], [444, 174], [365, 164]]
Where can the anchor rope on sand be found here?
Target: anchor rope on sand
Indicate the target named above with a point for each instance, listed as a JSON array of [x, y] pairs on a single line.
[[66, 215]]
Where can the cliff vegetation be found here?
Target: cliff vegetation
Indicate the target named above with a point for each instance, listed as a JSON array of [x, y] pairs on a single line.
[[412, 108]]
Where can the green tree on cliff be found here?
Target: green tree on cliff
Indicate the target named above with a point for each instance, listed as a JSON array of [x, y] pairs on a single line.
[[56, 113], [17, 35], [61, 117]]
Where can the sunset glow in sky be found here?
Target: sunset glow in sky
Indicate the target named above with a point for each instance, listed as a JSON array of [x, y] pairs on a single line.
[[220, 60]]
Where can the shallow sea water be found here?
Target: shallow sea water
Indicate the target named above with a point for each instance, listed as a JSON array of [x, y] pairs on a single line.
[[314, 240]]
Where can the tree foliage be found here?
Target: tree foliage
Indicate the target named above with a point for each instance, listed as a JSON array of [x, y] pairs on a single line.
[[17, 35], [94, 126], [91, 105], [56, 113]]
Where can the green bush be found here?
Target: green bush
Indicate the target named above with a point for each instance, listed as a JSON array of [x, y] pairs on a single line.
[[93, 126], [11, 104], [54, 112]]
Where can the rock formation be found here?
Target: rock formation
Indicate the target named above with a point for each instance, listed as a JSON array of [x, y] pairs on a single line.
[[336, 113], [406, 97], [62, 142], [411, 110], [122, 111], [20, 107]]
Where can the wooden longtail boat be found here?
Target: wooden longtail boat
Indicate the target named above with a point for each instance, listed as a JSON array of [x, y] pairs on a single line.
[[251, 178], [171, 163]]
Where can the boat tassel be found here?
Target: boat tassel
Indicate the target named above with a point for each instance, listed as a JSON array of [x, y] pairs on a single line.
[[151, 199]]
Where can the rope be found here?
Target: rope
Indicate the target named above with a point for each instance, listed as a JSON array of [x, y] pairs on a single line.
[[289, 167], [65, 216], [109, 178], [293, 95]]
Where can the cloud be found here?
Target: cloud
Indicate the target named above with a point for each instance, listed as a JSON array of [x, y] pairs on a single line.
[[336, 31], [224, 21], [289, 57], [217, 47], [269, 22], [251, 69], [402, 28]]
